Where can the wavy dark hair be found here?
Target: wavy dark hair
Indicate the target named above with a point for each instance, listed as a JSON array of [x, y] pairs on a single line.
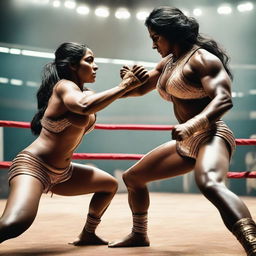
[[176, 27], [66, 55]]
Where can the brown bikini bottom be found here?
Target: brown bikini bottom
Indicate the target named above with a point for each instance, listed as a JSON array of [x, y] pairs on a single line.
[[29, 164], [190, 146]]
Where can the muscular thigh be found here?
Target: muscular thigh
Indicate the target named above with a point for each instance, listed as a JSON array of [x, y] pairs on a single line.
[[84, 180], [162, 162], [213, 160], [24, 197]]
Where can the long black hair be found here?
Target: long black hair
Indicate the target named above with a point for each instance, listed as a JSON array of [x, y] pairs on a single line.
[[67, 54], [176, 27]]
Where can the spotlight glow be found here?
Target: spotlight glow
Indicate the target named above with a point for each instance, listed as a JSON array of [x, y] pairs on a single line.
[[185, 12], [83, 10], [15, 51], [32, 84], [252, 92], [197, 12], [224, 9], [56, 3], [4, 49], [40, 2], [70, 4], [4, 80], [16, 82], [142, 15], [122, 13], [46, 55], [102, 12], [245, 7]]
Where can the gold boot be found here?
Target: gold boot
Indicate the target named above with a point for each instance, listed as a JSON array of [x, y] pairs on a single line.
[[245, 232]]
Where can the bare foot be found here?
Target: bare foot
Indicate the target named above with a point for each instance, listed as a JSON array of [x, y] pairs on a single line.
[[87, 238], [132, 240]]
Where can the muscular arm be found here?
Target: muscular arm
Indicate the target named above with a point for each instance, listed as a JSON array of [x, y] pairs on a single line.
[[150, 85], [87, 103], [209, 70], [216, 83]]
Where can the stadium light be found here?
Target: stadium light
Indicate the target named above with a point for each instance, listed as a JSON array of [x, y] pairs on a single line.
[[197, 12], [142, 15], [102, 12], [122, 13], [245, 7], [224, 9], [83, 10]]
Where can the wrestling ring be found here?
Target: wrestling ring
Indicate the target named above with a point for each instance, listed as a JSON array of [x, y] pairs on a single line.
[[179, 224]]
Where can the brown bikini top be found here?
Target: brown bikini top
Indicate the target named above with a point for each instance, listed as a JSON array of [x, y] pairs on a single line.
[[55, 126]]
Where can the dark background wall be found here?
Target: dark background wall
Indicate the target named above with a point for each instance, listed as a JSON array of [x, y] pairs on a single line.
[[26, 25]]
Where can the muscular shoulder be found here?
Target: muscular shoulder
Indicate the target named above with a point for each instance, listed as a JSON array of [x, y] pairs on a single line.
[[205, 63], [64, 86]]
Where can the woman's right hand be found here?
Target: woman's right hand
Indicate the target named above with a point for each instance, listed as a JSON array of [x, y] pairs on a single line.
[[134, 77]]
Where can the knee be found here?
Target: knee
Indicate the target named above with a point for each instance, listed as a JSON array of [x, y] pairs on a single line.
[[13, 227], [209, 184], [131, 180], [111, 184], [114, 185], [209, 188], [127, 178]]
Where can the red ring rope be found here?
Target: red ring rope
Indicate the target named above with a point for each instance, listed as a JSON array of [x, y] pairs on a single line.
[[112, 156], [15, 124], [233, 175]]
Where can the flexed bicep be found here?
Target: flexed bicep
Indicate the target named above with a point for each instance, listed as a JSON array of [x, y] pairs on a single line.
[[216, 83]]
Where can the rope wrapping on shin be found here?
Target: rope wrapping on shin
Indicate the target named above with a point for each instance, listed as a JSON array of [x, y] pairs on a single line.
[[91, 223], [245, 232], [140, 223]]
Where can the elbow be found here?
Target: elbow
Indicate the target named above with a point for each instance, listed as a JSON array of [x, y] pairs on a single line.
[[227, 103], [87, 110], [84, 109], [230, 104]]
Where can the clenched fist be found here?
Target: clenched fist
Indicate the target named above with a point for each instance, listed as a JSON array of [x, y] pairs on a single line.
[[133, 77]]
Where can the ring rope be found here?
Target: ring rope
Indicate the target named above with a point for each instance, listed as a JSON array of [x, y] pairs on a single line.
[[109, 156], [14, 124], [113, 156]]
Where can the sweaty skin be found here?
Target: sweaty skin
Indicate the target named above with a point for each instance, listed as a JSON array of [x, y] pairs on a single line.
[[206, 73], [69, 100]]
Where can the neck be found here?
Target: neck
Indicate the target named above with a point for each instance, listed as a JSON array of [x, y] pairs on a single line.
[[76, 81], [179, 51]]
